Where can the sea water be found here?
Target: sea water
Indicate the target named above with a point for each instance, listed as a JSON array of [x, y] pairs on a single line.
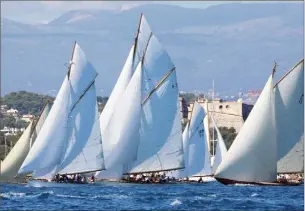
[[123, 196]]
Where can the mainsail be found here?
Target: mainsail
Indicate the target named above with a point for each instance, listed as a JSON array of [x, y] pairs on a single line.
[[71, 128], [252, 157], [289, 108], [14, 160]]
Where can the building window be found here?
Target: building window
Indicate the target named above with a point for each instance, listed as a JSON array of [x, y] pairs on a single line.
[[220, 107], [227, 106]]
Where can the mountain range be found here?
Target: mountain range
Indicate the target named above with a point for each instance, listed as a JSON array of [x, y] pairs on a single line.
[[235, 44]]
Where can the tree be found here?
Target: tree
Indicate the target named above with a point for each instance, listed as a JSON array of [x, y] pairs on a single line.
[[228, 135]]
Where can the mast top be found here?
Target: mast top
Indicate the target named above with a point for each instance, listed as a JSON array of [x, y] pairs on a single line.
[[274, 68]]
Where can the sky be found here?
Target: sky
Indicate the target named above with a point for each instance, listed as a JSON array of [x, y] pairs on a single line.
[[35, 12]]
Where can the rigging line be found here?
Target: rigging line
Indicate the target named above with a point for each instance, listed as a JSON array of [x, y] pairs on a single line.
[[288, 72], [158, 85], [146, 47], [159, 161], [85, 91]]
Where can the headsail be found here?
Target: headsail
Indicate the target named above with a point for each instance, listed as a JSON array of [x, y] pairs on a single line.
[[289, 108], [252, 157], [63, 131], [197, 158], [221, 148], [13, 161], [41, 119], [124, 124]]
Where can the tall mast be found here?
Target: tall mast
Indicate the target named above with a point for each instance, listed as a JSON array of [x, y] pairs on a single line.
[[213, 117], [71, 61], [136, 40]]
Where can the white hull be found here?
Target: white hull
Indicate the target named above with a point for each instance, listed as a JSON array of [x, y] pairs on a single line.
[[204, 179], [40, 184]]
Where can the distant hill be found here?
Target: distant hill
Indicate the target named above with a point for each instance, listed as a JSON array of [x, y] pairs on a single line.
[[32, 103], [235, 44]]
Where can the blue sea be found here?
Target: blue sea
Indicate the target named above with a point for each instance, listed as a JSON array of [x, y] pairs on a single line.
[[122, 196]]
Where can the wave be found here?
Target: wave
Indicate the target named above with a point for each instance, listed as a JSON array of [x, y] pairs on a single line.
[[254, 194], [15, 195], [176, 202]]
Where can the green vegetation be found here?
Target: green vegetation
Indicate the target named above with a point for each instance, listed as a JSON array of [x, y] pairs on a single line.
[[10, 121], [228, 135], [10, 142], [26, 102], [188, 96], [32, 103], [101, 103]]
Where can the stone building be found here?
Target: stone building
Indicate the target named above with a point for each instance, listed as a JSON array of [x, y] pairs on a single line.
[[226, 113]]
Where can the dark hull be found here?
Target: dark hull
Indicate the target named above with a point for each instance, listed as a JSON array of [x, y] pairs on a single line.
[[232, 182]]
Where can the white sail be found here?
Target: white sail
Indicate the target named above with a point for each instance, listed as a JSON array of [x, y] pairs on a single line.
[[220, 150], [253, 155], [123, 129], [289, 108], [142, 39], [13, 161], [114, 98], [42, 117], [207, 125], [124, 125], [198, 158], [160, 147], [137, 50], [51, 136], [84, 148], [62, 126]]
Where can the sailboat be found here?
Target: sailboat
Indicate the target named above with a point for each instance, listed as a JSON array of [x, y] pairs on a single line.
[[159, 136], [220, 147], [15, 158], [195, 148], [252, 158], [115, 170], [289, 97], [145, 136], [69, 141]]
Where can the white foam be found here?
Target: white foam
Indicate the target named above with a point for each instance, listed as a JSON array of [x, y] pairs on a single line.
[[254, 194], [70, 196], [176, 202], [12, 195]]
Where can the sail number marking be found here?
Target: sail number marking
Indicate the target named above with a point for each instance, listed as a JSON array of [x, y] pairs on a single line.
[[301, 99], [201, 133]]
